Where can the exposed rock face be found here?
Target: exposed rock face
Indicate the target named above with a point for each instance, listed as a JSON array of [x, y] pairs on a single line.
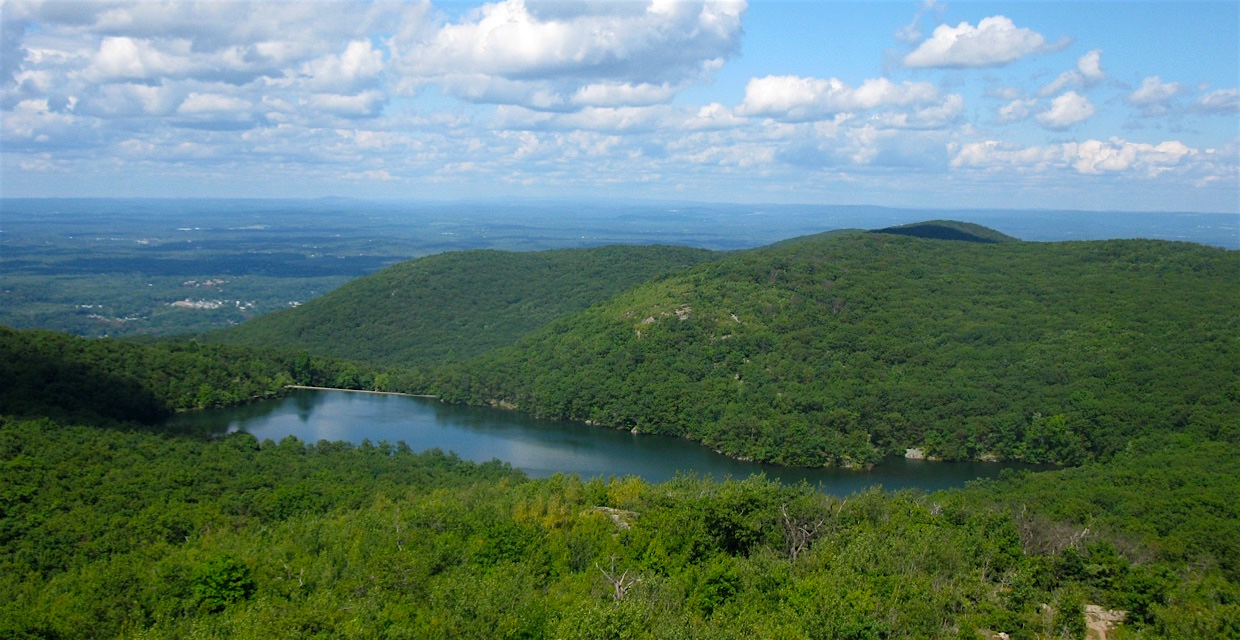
[[1099, 621], [622, 518], [915, 454]]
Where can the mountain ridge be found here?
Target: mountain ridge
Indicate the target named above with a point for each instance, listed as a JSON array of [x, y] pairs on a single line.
[[458, 304], [831, 349], [849, 347]]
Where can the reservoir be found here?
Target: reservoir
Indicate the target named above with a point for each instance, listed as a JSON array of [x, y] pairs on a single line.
[[542, 448]]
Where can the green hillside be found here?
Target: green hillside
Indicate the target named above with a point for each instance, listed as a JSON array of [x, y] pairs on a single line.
[[50, 374], [842, 348], [112, 527], [457, 305]]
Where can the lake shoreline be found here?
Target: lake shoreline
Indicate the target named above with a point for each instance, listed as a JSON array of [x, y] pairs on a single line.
[[382, 393], [542, 448]]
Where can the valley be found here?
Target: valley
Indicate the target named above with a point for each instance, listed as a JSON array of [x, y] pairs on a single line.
[[1112, 361]]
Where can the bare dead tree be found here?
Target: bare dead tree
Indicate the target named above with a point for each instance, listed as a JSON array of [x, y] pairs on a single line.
[[797, 535], [1043, 536], [620, 584]]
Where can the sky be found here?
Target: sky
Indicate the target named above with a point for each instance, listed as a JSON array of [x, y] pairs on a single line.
[[1123, 105]]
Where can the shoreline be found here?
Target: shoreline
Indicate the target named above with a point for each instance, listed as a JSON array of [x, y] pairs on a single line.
[[383, 393]]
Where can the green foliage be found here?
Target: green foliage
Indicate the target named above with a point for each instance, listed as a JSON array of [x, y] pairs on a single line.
[[838, 349], [221, 582], [1117, 356], [456, 305], [137, 534], [1174, 492], [43, 373]]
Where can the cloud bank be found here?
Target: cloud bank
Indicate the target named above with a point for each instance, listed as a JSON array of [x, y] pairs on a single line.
[[556, 97]]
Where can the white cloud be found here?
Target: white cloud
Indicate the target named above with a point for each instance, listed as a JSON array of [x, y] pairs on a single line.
[[995, 41], [124, 100], [1091, 157], [642, 119], [1154, 94], [1090, 66], [198, 103], [368, 103], [714, 116], [994, 154], [1066, 110], [34, 120], [542, 93], [356, 67], [1222, 101], [138, 68], [565, 56], [932, 117], [847, 145], [1088, 73], [793, 98], [130, 59], [623, 94], [1017, 110], [1115, 155]]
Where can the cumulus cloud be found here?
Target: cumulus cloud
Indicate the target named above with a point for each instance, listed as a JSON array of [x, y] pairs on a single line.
[[197, 103], [357, 66], [1066, 110], [865, 147], [1017, 110], [1091, 157], [126, 58], [994, 42], [1097, 156], [129, 99], [793, 98], [571, 55], [1153, 95], [1221, 101], [623, 94], [364, 104], [643, 119], [1088, 73], [1090, 66], [551, 93], [932, 117]]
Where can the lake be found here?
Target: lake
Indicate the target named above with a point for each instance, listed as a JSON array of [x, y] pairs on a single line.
[[542, 448]]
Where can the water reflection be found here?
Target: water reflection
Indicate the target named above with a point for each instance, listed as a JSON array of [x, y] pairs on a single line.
[[543, 447]]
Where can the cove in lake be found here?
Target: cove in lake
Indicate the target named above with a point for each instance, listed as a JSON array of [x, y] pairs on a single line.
[[542, 448]]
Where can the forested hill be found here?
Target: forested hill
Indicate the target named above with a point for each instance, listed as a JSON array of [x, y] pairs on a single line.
[[460, 304], [948, 230], [49, 374], [114, 529], [841, 348]]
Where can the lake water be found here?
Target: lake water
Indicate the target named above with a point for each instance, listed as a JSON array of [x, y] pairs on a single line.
[[544, 447]]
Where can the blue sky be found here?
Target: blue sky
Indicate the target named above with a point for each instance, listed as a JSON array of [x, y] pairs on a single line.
[[1057, 105]]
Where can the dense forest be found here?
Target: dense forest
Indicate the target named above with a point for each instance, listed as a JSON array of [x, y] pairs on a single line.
[[109, 530], [843, 348], [49, 374], [456, 305], [1117, 358]]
